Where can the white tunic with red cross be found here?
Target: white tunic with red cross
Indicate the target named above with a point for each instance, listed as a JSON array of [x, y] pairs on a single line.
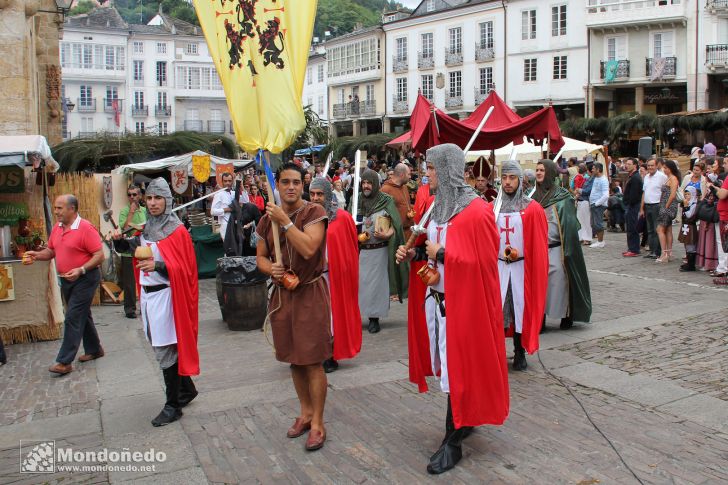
[[157, 313], [436, 322], [510, 227]]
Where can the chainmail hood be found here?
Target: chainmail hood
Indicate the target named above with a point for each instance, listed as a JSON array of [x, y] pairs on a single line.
[[330, 203], [453, 194], [161, 226], [517, 201]]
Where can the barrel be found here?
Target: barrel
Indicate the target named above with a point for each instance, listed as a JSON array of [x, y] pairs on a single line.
[[242, 293]]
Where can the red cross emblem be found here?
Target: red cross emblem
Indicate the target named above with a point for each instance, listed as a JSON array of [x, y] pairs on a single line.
[[508, 230]]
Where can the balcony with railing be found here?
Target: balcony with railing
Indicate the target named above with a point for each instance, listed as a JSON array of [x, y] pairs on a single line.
[[484, 53], [340, 111], [368, 107], [453, 101], [425, 60], [453, 57], [400, 64], [400, 105], [658, 69], [635, 12], [87, 134], [716, 55], [86, 105], [161, 81], [717, 6], [140, 110], [621, 71], [216, 126], [163, 110], [482, 92], [109, 105], [192, 125]]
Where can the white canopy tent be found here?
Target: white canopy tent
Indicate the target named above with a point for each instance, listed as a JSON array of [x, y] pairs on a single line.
[[15, 150], [530, 153], [186, 159]]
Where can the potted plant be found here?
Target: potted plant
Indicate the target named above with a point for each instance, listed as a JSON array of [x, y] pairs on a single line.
[[21, 245], [37, 241]]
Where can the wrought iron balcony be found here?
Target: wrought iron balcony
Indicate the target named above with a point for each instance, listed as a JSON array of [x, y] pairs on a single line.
[[400, 105], [353, 109], [483, 53], [400, 64], [109, 105], [216, 126], [87, 134], [340, 111], [192, 125], [453, 57], [368, 107], [163, 110], [716, 54], [715, 6], [481, 94], [86, 105], [668, 70], [425, 60], [622, 71], [140, 110], [453, 101]]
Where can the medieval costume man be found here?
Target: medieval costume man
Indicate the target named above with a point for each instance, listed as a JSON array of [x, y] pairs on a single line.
[[522, 262], [396, 187], [168, 296], [300, 315], [482, 175], [381, 235], [466, 340], [342, 253], [568, 297]]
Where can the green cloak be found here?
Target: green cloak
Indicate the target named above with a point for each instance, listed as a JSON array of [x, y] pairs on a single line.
[[580, 307]]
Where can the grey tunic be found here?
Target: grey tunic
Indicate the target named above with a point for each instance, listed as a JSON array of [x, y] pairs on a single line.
[[557, 295], [373, 273]]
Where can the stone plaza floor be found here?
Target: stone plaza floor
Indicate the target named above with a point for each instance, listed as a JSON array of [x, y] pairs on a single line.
[[651, 371]]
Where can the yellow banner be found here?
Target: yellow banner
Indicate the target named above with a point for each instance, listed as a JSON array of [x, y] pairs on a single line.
[[201, 167], [260, 49]]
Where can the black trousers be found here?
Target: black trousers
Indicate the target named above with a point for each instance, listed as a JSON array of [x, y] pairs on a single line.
[[633, 237], [79, 324], [128, 284], [651, 213]]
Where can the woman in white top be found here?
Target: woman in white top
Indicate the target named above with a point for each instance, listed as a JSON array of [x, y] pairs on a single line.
[[339, 193]]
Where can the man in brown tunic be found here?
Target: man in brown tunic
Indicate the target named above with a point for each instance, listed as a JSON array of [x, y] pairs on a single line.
[[396, 186], [300, 318]]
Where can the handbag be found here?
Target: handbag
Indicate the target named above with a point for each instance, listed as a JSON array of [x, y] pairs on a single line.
[[707, 211]]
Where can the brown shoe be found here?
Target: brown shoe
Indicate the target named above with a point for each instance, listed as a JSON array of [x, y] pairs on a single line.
[[299, 427], [315, 440], [88, 357], [60, 369]]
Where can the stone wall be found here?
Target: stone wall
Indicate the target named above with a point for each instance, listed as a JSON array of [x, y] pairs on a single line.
[[30, 72]]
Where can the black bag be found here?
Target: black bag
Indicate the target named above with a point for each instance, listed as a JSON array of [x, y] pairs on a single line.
[[707, 210]]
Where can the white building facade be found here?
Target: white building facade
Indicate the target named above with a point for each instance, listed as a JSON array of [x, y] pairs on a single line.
[[711, 82], [315, 89]]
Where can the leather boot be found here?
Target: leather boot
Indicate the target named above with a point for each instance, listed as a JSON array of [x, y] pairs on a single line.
[[171, 411], [519, 354], [451, 449], [3, 356], [543, 325], [566, 323], [187, 391], [330, 365], [690, 265], [373, 325]]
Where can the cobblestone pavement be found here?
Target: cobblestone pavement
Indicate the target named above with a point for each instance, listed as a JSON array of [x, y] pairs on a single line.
[[650, 370]]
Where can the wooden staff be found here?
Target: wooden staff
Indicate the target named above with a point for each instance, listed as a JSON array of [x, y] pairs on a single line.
[[274, 225]]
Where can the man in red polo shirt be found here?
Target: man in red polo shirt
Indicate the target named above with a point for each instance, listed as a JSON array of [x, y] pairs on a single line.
[[76, 246]]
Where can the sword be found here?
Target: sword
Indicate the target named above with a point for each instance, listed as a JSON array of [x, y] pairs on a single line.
[[418, 229]]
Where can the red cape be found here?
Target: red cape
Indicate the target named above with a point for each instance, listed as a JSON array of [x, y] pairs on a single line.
[[342, 246], [179, 257], [476, 354], [418, 341]]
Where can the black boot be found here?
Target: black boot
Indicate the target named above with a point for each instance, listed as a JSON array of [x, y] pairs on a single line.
[[566, 323], [3, 357], [451, 449], [187, 391], [690, 265], [171, 411], [543, 325], [330, 365], [373, 325], [519, 354]]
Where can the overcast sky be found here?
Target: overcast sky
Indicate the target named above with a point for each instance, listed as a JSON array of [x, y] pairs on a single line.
[[410, 3]]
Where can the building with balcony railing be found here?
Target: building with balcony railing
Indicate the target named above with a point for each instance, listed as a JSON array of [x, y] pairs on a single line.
[[425, 60], [315, 89], [163, 111], [192, 125], [614, 70], [712, 66], [140, 110], [216, 126], [454, 56], [86, 105], [483, 54], [113, 105]]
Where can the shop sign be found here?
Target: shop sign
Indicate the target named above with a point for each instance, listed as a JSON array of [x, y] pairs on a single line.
[[12, 179], [660, 96], [10, 212]]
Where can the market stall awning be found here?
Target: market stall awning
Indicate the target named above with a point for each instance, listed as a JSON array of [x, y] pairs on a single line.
[[402, 139], [309, 150], [528, 152], [17, 150], [186, 159]]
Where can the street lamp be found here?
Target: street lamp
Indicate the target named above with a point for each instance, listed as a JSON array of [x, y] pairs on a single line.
[[62, 7], [69, 104]]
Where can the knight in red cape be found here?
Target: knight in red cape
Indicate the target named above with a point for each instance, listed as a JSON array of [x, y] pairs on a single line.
[[462, 305], [342, 254], [523, 262], [168, 297]]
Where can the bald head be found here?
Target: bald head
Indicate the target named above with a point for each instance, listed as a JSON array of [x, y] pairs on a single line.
[[401, 174], [65, 208]]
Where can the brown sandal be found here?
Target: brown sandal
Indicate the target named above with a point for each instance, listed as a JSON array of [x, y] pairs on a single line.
[[299, 427]]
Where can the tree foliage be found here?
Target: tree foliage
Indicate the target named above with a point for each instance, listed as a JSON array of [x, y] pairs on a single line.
[[341, 16], [84, 6], [142, 11]]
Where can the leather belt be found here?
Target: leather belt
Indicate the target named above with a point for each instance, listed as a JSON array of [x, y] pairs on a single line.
[[509, 261], [554, 245], [154, 288], [375, 246]]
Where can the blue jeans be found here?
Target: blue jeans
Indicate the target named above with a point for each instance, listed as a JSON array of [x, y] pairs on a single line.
[[79, 324], [651, 213], [597, 218], [633, 237]]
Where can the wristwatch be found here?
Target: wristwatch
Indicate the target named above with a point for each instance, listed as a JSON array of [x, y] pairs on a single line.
[[287, 226]]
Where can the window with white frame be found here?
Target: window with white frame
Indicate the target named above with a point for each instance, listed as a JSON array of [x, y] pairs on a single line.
[[192, 114], [161, 73], [161, 47], [427, 84], [559, 67], [558, 20], [320, 72], [98, 57], [427, 45], [402, 89], [65, 49], [529, 69], [87, 124], [139, 99], [455, 87], [112, 93], [430, 6], [86, 98], [162, 99], [310, 102], [662, 44], [369, 90], [486, 80], [359, 56], [216, 83], [138, 47], [114, 58], [139, 70], [401, 48], [528, 24], [139, 127], [456, 40], [88, 56], [341, 96], [162, 128], [321, 105], [216, 115], [191, 49], [309, 75], [486, 35], [616, 48]]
